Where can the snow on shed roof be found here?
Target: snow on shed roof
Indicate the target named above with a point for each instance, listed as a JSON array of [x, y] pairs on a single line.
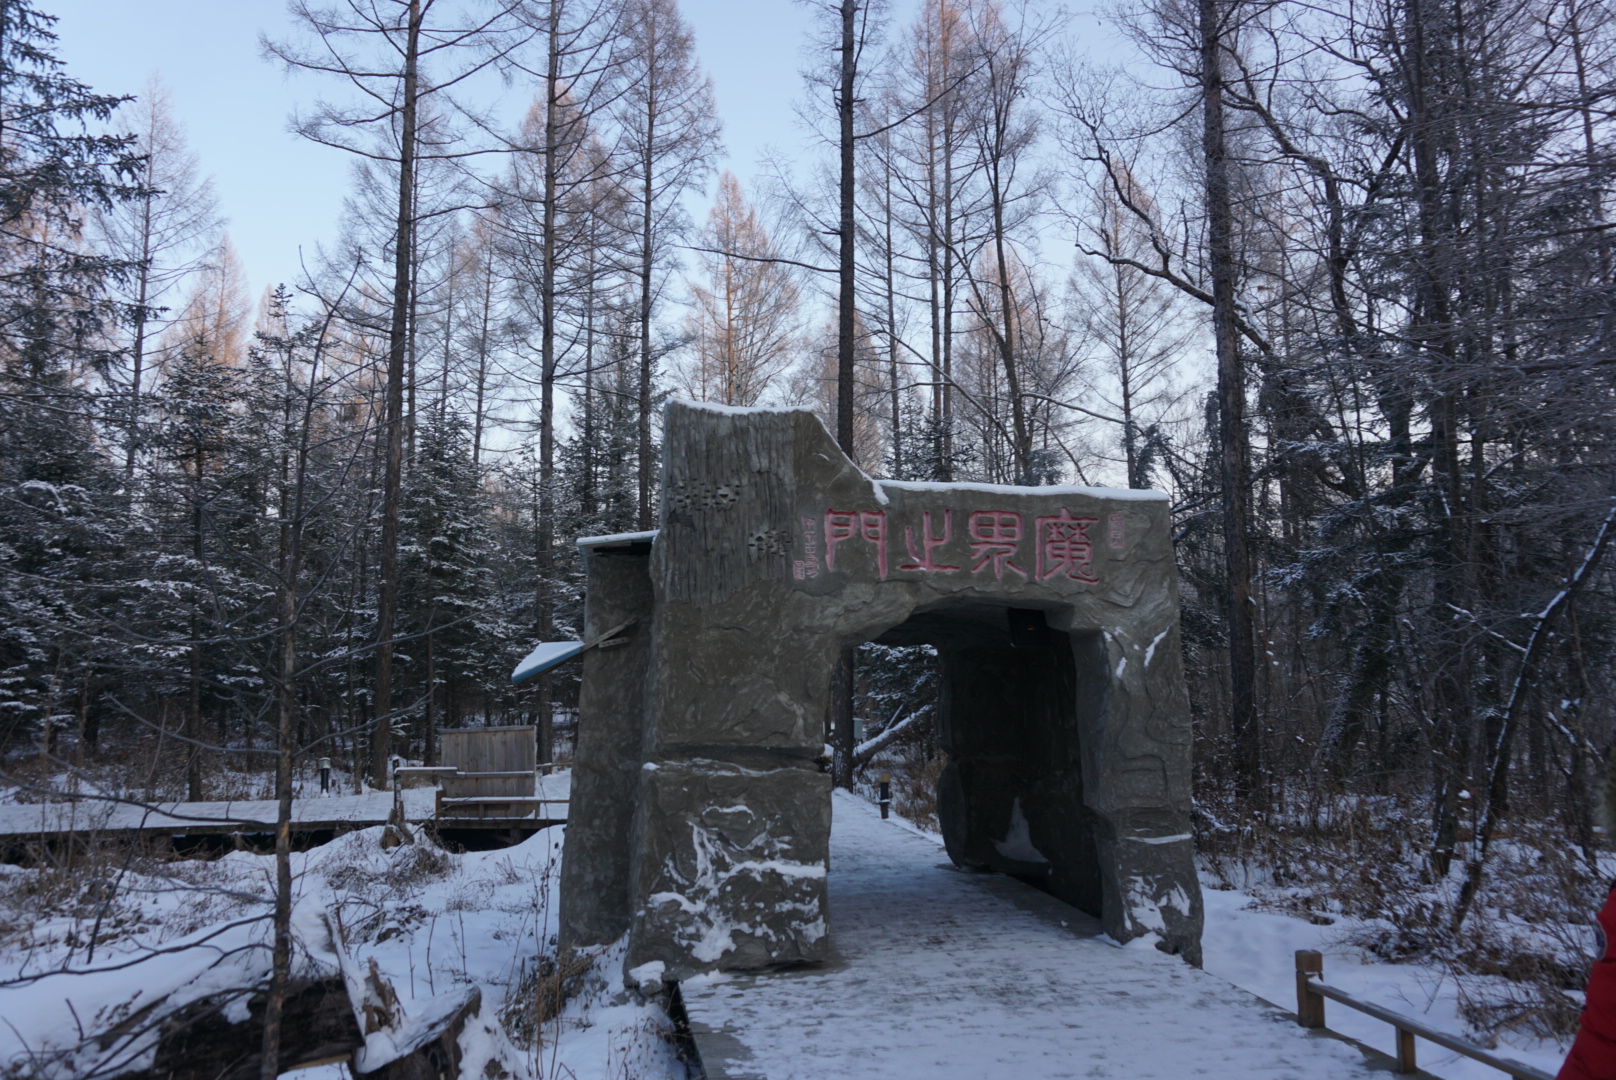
[[546, 656], [584, 543]]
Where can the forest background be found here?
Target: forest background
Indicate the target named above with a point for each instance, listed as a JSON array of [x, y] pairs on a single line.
[[1343, 288]]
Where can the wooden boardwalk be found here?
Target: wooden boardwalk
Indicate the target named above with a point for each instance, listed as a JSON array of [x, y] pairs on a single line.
[[944, 974], [104, 819]]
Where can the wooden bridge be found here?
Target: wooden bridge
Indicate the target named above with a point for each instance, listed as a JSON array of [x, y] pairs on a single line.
[[469, 820]]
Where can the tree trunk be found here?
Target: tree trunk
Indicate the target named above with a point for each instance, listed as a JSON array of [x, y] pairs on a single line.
[[846, 105], [1431, 333], [647, 167], [892, 330], [844, 677], [193, 711], [543, 600], [1231, 399], [137, 349], [429, 747], [1006, 333], [281, 953], [381, 743]]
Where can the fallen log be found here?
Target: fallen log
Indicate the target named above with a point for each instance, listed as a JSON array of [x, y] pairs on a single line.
[[199, 1042], [436, 1056]]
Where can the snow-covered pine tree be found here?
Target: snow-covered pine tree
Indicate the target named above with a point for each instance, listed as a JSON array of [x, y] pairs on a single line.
[[60, 514]]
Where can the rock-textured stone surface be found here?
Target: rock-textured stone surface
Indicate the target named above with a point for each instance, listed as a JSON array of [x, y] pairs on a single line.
[[595, 857], [1063, 712], [730, 867]]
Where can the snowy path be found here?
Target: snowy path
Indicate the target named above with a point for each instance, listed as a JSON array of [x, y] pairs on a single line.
[[939, 973], [371, 808]]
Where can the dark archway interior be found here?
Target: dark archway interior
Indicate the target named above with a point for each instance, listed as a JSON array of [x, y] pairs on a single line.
[[1015, 694]]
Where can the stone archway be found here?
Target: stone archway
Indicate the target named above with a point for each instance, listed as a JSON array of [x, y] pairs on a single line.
[[1008, 717], [699, 821]]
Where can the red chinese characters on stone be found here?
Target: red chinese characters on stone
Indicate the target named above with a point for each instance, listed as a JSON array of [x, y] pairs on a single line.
[[873, 527], [929, 543], [870, 525], [995, 537], [839, 525], [1064, 544], [1064, 547]]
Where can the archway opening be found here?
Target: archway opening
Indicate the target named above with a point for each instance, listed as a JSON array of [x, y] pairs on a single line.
[[1014, 695]]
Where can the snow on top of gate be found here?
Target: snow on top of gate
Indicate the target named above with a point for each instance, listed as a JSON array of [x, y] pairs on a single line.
[[1115, 494], [740, 410]]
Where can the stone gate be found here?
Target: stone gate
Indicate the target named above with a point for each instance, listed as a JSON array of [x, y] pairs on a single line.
[[700, 821]]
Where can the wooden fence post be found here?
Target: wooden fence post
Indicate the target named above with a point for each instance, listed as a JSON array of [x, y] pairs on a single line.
[[1405, 1051], [1309, 1005], [1311, 990]]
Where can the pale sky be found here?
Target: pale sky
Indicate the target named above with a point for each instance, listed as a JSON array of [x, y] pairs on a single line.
[[282, 193]]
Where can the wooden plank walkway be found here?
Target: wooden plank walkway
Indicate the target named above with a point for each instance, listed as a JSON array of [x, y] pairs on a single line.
[[22, 822], [939, 973]]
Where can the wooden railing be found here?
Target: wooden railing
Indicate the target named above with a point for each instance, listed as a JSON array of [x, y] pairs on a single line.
[[1311, 991]]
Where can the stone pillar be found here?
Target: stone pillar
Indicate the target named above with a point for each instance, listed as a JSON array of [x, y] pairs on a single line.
[[1133, 718], [732, 834], [595, 856]]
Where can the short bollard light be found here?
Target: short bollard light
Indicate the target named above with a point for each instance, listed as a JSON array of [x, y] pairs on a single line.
[[325, 776], [886, 794]]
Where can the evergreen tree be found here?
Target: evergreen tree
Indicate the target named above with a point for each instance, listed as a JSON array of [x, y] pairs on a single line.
[[453, 626], [58, 513]]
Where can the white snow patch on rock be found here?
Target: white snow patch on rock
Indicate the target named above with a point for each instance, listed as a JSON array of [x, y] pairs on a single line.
[[1017, 843]]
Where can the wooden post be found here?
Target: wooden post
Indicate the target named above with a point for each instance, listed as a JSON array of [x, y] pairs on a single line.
[[1405, 1051], [1310, 1005]]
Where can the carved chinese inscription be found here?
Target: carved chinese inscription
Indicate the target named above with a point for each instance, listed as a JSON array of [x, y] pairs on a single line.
[[1064, 546], [929, 543], [873, 527], [995, 536], [808, 565], [839, 525], [869, 525], [765, 542], [695, 495]]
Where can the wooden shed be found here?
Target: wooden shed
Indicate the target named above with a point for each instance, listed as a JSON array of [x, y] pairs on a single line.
[[494, 771]]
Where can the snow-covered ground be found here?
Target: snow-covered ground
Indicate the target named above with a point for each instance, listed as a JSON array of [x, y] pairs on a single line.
[[1255, 949], [939, 973], [433, 922], [995, 965]]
